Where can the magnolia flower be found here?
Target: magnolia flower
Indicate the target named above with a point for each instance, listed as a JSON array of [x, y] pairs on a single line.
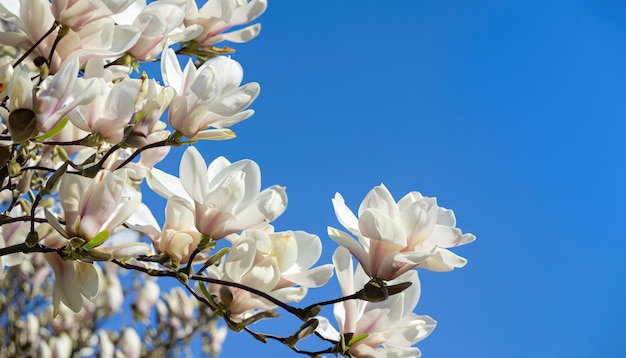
[[61, 93], [209, 96], [160, 23], [395, 238], [33, 18], [178, 238], [146, 298], [130, 343], [95, 205], [390, 323], [109, 112], [272, 263], [150, 104], [293, 252], [77, 13], [225, 197], [93, 33], [73, 280], [217, 16], [102, 39]]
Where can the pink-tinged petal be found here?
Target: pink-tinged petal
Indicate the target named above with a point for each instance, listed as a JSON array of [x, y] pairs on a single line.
[[87, 278], [380, 198], [364, 351], [215, 223], [345, 216], [345, 240], [125, 209], [175, 244], [130, 343], [65, 288], [372, 321], [377, 225], [443, 261], [396, 263], [194, 176]]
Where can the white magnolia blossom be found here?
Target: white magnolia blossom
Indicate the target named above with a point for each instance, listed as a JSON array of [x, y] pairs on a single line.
[[91, 206], [217, 16], [92, 34], [160, 24], [178, 238], [73, 280], [396, 237], [272, 262], [80, 134], [225, 197], [109, 112], [130, 343], [61, 93], [77, 14], [209, 96], [390, 323]]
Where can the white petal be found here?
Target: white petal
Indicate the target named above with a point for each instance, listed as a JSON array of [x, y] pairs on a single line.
[[193, 174], [377, 225]]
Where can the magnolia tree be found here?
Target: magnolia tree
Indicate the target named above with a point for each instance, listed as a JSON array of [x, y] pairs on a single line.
[[82, 127]]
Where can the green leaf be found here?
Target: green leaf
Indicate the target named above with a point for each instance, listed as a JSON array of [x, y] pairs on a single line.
[[56, 129], [97, 240], [357, 338]]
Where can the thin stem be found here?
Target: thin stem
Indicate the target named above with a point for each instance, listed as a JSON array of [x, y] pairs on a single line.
[[23, 248], [139, 150], [295, 311], [7, 219], [36, 167], [30, 50], [74, 142], [107, 155], [151, 272], [336, 300]]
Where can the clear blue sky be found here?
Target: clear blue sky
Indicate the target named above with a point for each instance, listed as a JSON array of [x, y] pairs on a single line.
[[511, 112]]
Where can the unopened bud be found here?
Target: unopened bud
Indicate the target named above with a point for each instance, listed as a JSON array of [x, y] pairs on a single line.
[[32, 239], [226, 295], [374, 291]]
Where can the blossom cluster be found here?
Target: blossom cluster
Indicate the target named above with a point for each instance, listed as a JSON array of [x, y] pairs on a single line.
[[83, 129]]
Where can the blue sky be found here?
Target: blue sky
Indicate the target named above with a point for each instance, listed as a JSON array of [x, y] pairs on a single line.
[[511, 113]]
